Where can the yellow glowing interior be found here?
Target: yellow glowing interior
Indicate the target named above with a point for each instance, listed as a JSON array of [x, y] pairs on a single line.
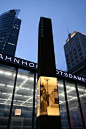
[[38, 98], [47, 96]]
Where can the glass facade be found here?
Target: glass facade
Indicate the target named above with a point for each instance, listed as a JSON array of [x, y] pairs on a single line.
[[62, 103], [73, 106], [7, 79], [22, 109], [18, 100], [82, 96]]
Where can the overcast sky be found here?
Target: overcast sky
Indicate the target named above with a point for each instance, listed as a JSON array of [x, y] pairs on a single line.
[[64, 13]]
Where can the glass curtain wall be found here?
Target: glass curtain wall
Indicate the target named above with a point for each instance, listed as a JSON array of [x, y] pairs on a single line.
[[22, 109], [62, 104], [7, 77], [73, 106], [82, 96]]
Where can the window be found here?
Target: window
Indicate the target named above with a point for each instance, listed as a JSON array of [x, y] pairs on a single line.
[[82, 95], [77, 60], [76, 57], [75, 53], [74, 111], [68, 63], [68, 66], [72, 60], [70, 52], [62, 103], [79, 49], [80, 53], [72, 64], [81, 58], [23, 100], [71, 56], [74, 49], [7, 77], [78, 46], [66, 55]]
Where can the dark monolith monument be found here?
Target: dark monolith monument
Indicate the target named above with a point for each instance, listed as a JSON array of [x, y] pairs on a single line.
[[48, 114]]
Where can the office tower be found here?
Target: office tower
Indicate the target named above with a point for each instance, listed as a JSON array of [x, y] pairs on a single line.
[[48, 113], [9, 30], [75, 53]]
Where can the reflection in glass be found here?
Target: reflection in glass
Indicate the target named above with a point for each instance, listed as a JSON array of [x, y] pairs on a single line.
[[23, 101], [62, 104], [74, 111], [82, 95], [47, 96], [7, 77]]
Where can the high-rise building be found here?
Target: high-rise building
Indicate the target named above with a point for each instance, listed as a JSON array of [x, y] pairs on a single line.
[[75, 53], [9, 30]]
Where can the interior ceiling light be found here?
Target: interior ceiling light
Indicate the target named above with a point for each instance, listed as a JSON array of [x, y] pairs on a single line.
[[61, 85], [1, 72], [70, 90], [8, 73], [14, 75], [81, 89], [19, 101], [31, 78], [4, 93], [17, 95], [21, 85], [2, 84], [17, 105], [24, 88], [25, 96], [22, 76], [9, 86], [73, 98], [15, 91], [3, 99], [19, 76], [27, 100]]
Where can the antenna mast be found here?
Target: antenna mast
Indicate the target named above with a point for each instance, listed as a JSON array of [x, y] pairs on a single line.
[[67, 31]]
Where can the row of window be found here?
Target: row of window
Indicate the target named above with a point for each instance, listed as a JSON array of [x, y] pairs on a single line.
[[7, 16], [4, 38], [4, 34], [7, 24], [5, 31], [8, 20]]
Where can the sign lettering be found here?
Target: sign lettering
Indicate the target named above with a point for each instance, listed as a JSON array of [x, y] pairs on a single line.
[[32, 65]]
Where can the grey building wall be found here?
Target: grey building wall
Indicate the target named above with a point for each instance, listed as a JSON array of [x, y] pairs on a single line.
[[75, 52]]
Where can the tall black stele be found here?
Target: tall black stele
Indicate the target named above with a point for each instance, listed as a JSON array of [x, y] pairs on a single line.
[[48, 115]]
